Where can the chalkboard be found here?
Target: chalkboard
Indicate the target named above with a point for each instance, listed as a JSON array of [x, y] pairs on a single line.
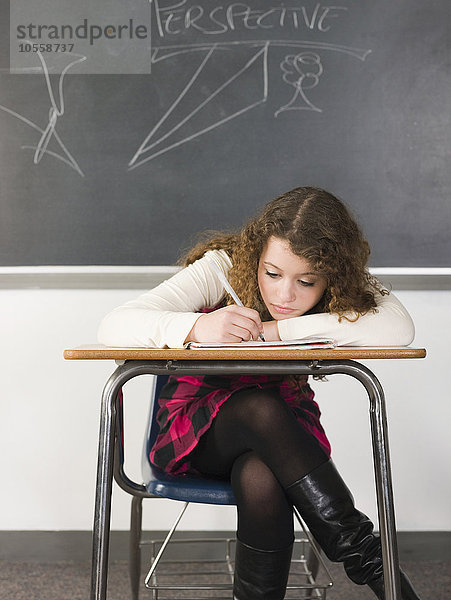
[[241, 104]]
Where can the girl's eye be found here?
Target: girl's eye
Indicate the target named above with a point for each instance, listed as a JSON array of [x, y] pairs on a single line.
[[306, 283], [272, 275]]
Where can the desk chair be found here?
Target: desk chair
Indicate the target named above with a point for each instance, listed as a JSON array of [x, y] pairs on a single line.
[[307, 562]]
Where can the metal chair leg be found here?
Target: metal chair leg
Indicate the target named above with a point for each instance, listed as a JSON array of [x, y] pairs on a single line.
[[167, 539], [134, 567], [312, 563]]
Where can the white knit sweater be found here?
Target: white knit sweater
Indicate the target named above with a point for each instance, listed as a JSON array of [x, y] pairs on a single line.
[[164, 316]]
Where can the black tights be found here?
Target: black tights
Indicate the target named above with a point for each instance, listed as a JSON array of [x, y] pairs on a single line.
[[256, 440]]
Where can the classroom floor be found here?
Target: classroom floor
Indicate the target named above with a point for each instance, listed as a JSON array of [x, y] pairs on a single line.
[[68, 580], [428, 566]]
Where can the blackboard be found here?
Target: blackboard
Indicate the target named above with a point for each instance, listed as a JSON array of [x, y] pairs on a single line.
[[241, 104]]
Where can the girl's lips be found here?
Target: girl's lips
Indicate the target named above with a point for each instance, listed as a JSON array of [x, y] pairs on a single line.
[[283, 309]]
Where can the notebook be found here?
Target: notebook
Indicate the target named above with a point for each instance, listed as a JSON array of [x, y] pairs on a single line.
[[304, 344]]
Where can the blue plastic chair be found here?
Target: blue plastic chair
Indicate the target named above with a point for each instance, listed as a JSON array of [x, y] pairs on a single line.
[[184, 488], [158, 484]]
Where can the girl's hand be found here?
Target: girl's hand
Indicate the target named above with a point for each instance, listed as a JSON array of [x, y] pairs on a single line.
[[229, 324], [270, 331]]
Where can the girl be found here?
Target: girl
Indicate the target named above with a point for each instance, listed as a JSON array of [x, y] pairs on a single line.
[[300, 270]]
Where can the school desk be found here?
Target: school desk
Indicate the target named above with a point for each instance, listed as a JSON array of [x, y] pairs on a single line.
[[141, 361]]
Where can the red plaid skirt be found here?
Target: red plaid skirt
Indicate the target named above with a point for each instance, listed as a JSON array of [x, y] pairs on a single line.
[[188, 404]]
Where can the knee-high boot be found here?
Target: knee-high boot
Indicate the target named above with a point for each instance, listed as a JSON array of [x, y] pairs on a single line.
[[344, 533], [261, 574]]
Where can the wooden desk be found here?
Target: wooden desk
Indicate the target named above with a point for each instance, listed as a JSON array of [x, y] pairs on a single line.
[[140, 361]]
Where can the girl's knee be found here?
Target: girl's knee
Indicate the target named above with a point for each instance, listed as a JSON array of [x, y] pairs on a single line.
[[256, 485], [262, 407]]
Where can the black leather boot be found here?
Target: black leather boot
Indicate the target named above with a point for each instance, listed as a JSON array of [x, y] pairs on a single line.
[[407, 591], [261, 574], [344, 533]]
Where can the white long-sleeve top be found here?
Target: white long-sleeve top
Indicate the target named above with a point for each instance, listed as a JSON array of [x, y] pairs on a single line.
[[164, 316]]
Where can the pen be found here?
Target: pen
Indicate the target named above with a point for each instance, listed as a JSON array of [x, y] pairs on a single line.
[[228, 287]]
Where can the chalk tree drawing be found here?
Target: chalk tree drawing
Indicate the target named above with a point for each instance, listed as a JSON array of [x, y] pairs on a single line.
[[301, 71], [56, 110]]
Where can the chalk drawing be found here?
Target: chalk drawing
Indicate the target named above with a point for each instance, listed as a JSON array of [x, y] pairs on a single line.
[[301, 70], [56, 111]]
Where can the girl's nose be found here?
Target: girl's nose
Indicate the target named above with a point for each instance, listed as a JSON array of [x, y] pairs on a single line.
[[287, 292]]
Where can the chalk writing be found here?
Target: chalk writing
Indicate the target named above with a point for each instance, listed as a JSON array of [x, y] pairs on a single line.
[[183, 16]]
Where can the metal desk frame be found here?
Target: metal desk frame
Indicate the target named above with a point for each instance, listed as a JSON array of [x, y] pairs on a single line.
[[133, 368]]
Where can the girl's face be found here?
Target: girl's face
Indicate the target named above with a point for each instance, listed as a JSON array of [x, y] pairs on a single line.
[[287, 283]]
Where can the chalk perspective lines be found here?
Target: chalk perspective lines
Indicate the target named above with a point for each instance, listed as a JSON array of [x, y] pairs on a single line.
[[300, 70]]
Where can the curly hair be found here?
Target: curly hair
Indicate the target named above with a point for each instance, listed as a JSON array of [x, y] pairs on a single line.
[[318, 228]]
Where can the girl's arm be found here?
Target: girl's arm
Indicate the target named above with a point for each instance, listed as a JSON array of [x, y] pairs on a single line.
[[391, 325], [165, 315]]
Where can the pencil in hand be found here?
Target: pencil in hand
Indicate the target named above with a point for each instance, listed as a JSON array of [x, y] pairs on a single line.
[[228, 287]]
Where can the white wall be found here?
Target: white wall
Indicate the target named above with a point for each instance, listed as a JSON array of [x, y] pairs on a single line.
[[50, 416]]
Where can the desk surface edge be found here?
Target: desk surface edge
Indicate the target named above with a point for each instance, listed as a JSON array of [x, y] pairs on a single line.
[[348, 352]]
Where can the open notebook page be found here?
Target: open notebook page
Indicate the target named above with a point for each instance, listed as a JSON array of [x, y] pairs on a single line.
[[304, 344]]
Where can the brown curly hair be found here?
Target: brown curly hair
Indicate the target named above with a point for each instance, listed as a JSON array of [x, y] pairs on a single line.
[[318, 228]]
